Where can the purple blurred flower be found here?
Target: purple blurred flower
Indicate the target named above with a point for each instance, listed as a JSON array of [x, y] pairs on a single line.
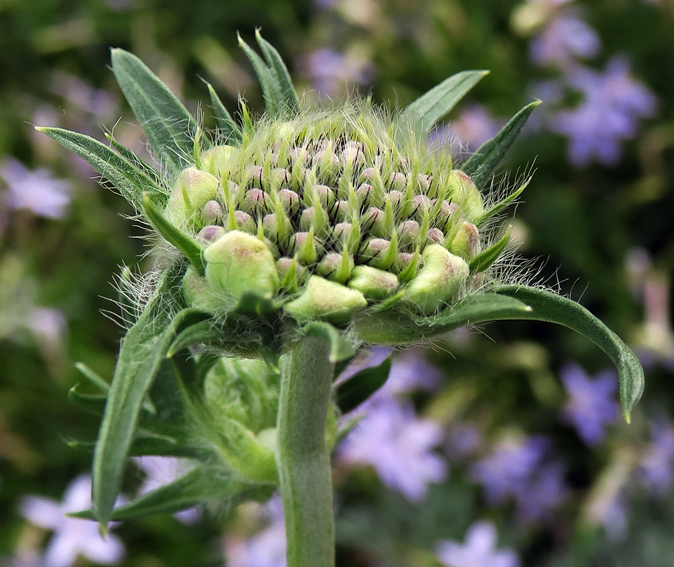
[[473, 126], [46, 323], [161, 471], [72, 537], [265, 549], [35, 190], [591, 404], [657, 464], [614, 103], [399, 446], [523, 471], [564, 39], [328, 70], [463, 441], [478, 551]]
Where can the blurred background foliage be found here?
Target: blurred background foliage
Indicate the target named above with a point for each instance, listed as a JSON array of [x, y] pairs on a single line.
[[597, 214]]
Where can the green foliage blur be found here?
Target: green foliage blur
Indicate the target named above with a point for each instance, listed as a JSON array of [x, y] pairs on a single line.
[[602, 233]]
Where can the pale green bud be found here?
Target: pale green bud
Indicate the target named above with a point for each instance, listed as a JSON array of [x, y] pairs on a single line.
[[219, 159], [238, 262], [466, 194], [373, 283], [439, 280], [200, 294], [466, 241], [193, 189], [323, 299]]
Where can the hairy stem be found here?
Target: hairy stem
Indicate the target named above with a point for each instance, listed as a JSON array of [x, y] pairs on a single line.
[[303, 456]]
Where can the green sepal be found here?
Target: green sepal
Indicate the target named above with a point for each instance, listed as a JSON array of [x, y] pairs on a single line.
[[340, 348], [227, 127], [127, 178], [91, 403], [183, 242], [502, 204], [132, 158], [165, 121], [254, 303], [430, 107], [200, 485], [278, 67], [354, 391], [271, 87], [141, 354], [482, 164], [93, 377], [553, 308], [487, 257]]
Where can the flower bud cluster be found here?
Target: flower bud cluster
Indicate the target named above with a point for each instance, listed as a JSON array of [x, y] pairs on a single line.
[[333, 210]]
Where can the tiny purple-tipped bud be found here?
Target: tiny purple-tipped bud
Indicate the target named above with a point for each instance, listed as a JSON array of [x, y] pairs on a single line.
[[445, 211], [243, 221], [238, 262], [408, 232], [436, 236], [269, 225], [300, 156], [326, 163], [213, 212], [398, 181], [364, 193], [323, 299], [325, 195], [253, 174], [353, 156], [307, 218], [374, 222], [280, 177], [378, 253], [336, 267], [210, 233], [368, 174], [424, 182], [254, 201], [396, 196], [373, 283], [289, 200], [291, 273]]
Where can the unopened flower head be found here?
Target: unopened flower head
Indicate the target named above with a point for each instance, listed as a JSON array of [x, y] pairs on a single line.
[[333, 209]]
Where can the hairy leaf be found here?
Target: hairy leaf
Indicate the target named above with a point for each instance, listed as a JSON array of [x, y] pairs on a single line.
[[354, 391], [278, 67], [271, 87], [165, 121], [482, 164], [227, 127]]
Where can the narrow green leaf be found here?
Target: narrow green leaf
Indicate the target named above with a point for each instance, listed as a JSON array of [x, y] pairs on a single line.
[[278, 67], [354, 391], [548, 306], [92, 376], [502, 204], [183, 242], [228, 128], [436, 103], [487, 257], [91, 403], [340, 348], [129, 180], [200, 485], [141, 353], [166, 122], [482, 164], [132, 158], [271, 88]]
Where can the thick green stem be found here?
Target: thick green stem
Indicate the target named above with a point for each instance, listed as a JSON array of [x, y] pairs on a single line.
[[303, 456]]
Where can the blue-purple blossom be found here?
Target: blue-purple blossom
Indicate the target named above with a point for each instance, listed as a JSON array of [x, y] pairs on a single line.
[[463, 441], [72, 537], [267, 548], [479, 550], [524, 471], [591, 403], [328, 70], [564, 39], [613, 104], [657, 464], [35, 190], [399, 446]]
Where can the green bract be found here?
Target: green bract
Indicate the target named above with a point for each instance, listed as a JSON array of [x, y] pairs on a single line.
[[295, 238]]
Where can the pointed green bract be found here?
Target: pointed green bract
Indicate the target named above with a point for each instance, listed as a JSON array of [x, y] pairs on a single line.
[[500, 205], [271, 87], [129, 180], [278, 67], [166, 122], [132, 158], [227, 127], [429, 108], [487, 257], [92, 376], [141, 354], [183, 242], [482, 164], [550, 307], [357, 389]]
